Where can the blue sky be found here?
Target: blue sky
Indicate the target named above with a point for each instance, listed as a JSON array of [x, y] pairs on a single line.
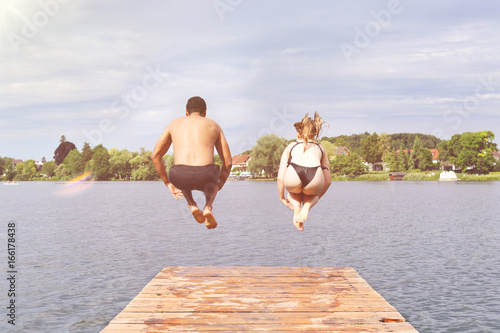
[[116, 72]]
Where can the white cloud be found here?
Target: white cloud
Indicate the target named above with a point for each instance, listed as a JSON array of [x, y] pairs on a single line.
[[263, 56]]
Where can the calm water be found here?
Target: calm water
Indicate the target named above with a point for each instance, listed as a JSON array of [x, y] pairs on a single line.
[[431, 249]]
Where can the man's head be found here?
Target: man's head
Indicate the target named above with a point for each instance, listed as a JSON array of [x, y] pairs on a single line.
[[196, 104]]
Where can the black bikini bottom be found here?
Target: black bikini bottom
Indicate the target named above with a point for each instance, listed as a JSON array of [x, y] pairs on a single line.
[[306, 174]]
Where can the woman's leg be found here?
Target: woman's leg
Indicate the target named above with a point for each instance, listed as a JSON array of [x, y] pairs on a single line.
[[309, 201], [310, 195], [296, 201]]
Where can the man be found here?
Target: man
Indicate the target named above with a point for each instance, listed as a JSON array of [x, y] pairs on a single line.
[[194, 138]]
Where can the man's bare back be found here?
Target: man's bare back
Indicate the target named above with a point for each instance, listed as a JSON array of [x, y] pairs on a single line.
[[194, 138], [194, 131]]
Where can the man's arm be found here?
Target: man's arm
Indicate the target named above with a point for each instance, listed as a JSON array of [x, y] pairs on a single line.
[[225, 154], [161, 148]]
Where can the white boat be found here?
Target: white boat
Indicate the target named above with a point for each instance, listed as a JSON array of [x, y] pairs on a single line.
[[448, 176]]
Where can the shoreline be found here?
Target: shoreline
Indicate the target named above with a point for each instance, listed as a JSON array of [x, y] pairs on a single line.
[[378, 176]]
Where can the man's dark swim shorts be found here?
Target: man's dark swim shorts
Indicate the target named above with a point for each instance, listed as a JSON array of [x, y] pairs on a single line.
[[190, 177]]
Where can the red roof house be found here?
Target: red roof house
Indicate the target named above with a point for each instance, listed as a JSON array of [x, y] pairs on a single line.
[[240, 162]]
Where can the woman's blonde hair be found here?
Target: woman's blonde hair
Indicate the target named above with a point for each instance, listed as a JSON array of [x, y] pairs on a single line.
[[308, 128]]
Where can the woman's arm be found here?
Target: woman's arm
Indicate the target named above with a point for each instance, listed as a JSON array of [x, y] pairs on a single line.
[[325, 167], [281, 177]]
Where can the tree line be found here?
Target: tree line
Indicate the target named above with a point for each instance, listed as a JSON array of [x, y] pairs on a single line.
[[471, 152], [69, 162]]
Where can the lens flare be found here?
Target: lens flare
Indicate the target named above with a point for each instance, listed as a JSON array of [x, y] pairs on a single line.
[[79, 179], [76, 184]]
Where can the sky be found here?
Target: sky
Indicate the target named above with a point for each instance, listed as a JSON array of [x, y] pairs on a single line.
[[116, 72]]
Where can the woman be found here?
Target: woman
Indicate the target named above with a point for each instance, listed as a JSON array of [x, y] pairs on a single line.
[[304, 170]]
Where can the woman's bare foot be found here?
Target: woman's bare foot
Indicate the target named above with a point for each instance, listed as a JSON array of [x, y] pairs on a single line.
[[210, 221], [197, 214], [304, 213], [298, 225]]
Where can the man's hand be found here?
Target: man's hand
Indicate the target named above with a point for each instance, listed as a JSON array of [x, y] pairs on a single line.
[[175, 191]]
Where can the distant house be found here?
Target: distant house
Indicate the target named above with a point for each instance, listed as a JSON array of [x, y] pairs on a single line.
[[435, 155], [38, 165], [339, 151], [496, 155], [240, 162], [342, 151], [15, 162], [379, 166]]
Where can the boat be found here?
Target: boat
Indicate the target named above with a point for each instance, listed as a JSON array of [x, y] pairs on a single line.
[[397, 175], [448, 176]]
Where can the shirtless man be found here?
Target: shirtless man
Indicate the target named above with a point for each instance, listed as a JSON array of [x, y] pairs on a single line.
[[194, 138]]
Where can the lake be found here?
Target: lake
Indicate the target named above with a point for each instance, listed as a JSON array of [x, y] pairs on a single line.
[[431, 249]]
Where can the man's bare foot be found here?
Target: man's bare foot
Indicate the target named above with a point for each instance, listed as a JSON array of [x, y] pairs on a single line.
[[197, 214], [210, 221]]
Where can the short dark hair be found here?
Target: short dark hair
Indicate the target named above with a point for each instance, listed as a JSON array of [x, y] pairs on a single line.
[[196, 104]]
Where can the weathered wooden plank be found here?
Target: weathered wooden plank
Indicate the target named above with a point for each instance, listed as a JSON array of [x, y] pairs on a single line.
[[284, 299], [245, 317], [153, 328], [256, 270], [327, 327]]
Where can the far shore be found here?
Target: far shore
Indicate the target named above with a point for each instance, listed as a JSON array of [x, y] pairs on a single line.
[[416, 176], [372, 176]]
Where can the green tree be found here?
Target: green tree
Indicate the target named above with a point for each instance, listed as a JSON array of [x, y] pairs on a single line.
[[29, 170], [372, 149], [350, 166], [421, 157], [217, 160], [25, 170], [169, 160], [19, 171], [61, 172], [49, 169], [266, 155], [476, 152], [2, 167], [396, 161], [340, 142], [406, 160], [8, 168], [100, 163], [247, 152], [119, 161], [384, 145], [330, 148], [470, 151], [142, 166], [86, 156], [73, 163]]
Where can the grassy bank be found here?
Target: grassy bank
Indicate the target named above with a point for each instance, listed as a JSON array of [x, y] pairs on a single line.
[[418, 176]]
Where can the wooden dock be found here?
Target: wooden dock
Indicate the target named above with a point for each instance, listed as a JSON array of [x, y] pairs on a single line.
[[235, 299]]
